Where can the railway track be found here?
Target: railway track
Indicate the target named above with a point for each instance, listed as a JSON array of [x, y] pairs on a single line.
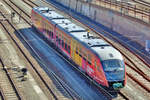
[[8, 86], [33, 3], [132, 66], [123, 96], [18, 11], [65, 89], [142, 2], [30, 3]]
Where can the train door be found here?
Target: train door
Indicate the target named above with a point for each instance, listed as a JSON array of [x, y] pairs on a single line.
[[96, 69], [79, 55], [73, 49], [90, 68], [78, 59], [84, 57], [56, 38], [83, 63]]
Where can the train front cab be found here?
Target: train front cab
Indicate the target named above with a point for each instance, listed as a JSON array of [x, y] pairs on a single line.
[[115, 76]]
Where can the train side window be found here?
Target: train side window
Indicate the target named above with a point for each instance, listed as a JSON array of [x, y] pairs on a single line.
[[52, 33], [56, 38], [62, 40], [95, 64], [84, 54], [80, 51], [59, 41], [47, 26], [66, 46], [98, 68], [47, 31], [62, 43], [89, 59], [69, 49], [77, 49], [84, 58]]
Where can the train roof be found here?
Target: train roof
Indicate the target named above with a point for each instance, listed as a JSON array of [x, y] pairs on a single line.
[[100, 47]]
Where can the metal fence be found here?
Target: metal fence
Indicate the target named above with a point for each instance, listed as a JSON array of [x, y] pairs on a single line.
[[126, 8]]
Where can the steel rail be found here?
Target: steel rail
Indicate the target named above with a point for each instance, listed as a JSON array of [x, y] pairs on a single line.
[[6, 1], [33, 3], [25, 1], [139, 72], [140, 83], [1, 95], [142, 2], [124, 96], [15, 88]]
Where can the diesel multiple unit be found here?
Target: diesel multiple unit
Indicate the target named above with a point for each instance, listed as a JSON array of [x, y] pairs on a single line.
[[90, 53]]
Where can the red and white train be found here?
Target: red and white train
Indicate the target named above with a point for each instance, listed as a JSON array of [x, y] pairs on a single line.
[[93, 55]]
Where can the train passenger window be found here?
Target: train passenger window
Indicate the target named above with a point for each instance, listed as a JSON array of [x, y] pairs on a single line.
[[47, 31], [66, 46], [69, 49], [89, 62], [56, 38], [84, 54], [52, 34], [80, 51], [59, 41], [98, 68], [84, 58], [80, 55], [62, 43], [77, 49], [89, 59], [95, 64]]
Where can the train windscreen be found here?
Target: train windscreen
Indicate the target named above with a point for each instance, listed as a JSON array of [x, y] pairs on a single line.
[[113, 65]]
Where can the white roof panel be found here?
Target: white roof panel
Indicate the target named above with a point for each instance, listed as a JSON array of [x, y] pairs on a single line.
[[52, 14], [43, 8], [61, 21]]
